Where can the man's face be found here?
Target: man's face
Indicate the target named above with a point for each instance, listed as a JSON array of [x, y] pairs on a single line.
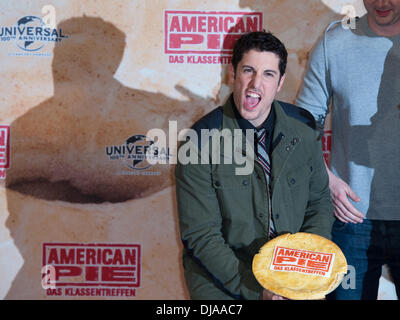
[[383, 13], [256, 81]]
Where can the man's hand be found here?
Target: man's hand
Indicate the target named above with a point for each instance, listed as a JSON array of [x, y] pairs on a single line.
[[340, 192], [268, 295]]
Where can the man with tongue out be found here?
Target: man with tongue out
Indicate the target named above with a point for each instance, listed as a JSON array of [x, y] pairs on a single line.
[[225, 217]]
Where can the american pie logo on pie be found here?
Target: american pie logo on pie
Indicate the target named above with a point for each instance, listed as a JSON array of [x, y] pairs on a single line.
[[300, 266], [302, 261]]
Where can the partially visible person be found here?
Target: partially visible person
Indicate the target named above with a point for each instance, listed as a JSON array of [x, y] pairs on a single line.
[[225, 217], [358, 71]]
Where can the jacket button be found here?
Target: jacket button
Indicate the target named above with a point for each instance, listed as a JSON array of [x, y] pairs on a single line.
[[217, 183], [276, 216], [245, 182], [260, 214], [292, 181]]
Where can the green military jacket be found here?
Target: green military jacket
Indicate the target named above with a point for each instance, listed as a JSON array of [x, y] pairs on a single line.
[[224, 216]]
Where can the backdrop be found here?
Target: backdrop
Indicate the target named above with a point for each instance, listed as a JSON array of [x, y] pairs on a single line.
[[84, 213]]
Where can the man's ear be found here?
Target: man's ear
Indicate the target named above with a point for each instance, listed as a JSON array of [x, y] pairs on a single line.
[[231, 73], [281, 81]]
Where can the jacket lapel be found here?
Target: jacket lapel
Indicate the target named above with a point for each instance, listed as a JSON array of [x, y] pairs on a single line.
[[245, 149], [285, 141]]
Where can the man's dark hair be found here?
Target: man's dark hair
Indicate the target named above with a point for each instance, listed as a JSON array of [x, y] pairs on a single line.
[[260, 41]]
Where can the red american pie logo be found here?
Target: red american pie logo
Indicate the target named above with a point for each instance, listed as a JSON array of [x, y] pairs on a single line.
[[302, 261]]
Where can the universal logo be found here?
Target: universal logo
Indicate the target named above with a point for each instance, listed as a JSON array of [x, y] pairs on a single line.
[[31, 33], [138, 153]]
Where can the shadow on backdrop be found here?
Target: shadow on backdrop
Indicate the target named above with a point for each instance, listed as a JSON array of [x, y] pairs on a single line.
[[59, 147]]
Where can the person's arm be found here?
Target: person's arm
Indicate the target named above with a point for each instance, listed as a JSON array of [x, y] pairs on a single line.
[[200, 224], [315, 97]]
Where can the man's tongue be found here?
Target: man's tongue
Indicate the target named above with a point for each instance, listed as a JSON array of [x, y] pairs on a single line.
[[251, 102]]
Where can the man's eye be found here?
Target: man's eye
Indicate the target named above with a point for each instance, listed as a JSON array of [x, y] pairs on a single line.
[[247, 70]]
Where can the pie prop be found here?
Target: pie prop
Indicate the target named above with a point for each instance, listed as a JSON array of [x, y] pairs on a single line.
[[300, 266]]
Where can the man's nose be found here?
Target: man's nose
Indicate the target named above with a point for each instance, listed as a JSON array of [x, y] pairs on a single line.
[[256, 80]]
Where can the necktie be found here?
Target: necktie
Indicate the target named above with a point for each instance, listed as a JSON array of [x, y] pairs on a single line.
[[263, 158]]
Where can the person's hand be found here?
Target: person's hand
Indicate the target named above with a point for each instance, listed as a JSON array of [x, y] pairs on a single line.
[[341, 192], [268, 295]]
